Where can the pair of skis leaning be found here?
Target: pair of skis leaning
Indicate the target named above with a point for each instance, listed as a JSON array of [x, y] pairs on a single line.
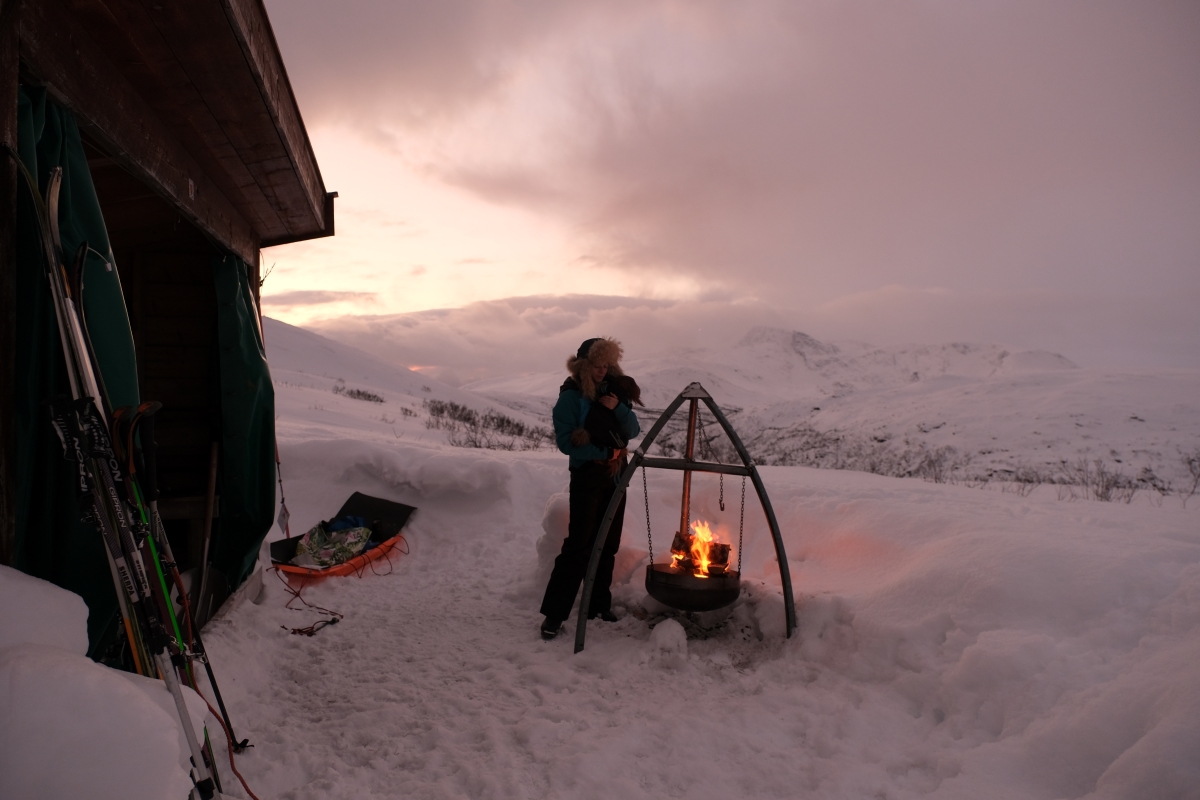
[[121, 499]]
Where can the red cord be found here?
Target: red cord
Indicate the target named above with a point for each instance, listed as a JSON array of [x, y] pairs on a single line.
[[316, 626], [229, 742], [358, 572]]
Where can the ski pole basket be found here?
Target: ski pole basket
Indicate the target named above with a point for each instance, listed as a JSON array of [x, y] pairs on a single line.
[[711, 584]]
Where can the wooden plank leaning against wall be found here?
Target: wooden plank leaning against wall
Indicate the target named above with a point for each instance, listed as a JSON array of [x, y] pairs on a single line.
[[9, 63]]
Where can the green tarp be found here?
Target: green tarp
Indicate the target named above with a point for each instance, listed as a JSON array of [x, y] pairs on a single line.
[[51, 541], [247, 426]]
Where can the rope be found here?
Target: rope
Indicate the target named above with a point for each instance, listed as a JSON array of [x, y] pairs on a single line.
[[229, 742], [360, 571], [309, 630], [287, 527], [646, 494], [388, 555]]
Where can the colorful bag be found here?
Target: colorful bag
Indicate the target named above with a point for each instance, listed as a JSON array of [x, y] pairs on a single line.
[[328, 544]]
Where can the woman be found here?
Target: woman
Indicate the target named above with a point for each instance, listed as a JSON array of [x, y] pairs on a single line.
[[593, 468]]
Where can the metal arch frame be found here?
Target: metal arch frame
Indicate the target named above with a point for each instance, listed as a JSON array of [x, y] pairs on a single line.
[[693, 392]]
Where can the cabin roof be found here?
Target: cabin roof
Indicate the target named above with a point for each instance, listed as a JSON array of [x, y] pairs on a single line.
[[193, 98]]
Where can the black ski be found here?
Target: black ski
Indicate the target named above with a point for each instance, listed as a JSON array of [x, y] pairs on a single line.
[[83, 428]]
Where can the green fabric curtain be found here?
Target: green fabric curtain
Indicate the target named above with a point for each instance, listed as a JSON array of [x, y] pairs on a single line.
[[247, 425], [51, 542]]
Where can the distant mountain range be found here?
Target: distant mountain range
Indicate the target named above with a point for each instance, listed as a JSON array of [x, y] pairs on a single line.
[[958, 412], [965, 412]]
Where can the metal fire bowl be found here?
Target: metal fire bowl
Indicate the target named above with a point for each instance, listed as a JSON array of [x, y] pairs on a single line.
[[686, 592]]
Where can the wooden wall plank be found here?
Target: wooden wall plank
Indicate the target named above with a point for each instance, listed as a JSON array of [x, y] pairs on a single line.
[[179, 299], [78, 73], [131, 37], [224, 93]]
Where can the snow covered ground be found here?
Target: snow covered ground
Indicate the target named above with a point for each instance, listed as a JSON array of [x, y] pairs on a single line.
[[70, 727], [953, 642]]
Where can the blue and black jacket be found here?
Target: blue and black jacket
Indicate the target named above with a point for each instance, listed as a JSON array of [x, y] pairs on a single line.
[[570, 414]]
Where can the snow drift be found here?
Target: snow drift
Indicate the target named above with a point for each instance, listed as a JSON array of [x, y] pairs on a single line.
[[72, 727]]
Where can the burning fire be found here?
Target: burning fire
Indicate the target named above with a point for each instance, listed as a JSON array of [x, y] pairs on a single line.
[[700, 552]]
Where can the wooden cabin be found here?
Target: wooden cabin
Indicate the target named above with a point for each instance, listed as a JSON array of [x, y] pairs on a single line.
[[199, 159]]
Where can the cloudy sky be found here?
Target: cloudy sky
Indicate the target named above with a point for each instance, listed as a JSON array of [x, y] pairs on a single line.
[[514, 173]]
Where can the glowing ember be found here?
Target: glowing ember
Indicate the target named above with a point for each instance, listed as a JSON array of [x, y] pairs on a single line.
[[700, 552]]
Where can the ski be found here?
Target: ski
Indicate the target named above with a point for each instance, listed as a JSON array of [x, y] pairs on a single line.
[[82, 424]]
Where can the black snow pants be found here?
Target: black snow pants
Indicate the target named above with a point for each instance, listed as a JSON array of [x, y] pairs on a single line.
[[591, 490]]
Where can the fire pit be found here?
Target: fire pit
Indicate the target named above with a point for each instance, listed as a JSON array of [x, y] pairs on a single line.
[[699, 577], [683, 590]]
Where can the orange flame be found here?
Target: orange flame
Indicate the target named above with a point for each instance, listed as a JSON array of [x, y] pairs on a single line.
[[700, 552], [701, 542]]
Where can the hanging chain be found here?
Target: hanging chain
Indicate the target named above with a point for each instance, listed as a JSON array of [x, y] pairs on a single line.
[[742, 525], [646, 494], [721, 499]]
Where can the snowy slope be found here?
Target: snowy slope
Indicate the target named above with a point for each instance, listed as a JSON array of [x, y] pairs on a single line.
[[312, 376]]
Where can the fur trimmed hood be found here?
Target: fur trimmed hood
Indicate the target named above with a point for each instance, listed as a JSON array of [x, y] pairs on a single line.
[[601, 351]]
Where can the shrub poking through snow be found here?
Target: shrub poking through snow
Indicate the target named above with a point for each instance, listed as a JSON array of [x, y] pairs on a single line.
[[806, 446], [1096, 481], [466, 427], [357, 394], [802, 444], [1192, 462]]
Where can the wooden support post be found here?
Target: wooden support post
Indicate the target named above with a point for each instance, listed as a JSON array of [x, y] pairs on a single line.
[[9, 67], [689, 454]]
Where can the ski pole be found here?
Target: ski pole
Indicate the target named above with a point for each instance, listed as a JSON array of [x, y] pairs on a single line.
[[149, 446]]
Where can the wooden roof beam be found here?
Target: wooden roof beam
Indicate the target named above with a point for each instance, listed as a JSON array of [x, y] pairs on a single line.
[[250, 24], [328, 230], [78, 74]]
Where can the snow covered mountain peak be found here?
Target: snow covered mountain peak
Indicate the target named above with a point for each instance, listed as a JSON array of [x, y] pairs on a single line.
[[789, 341], [836, 369]]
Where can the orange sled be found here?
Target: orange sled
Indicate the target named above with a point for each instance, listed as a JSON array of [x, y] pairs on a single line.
[[354, 566], [390, 518]]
